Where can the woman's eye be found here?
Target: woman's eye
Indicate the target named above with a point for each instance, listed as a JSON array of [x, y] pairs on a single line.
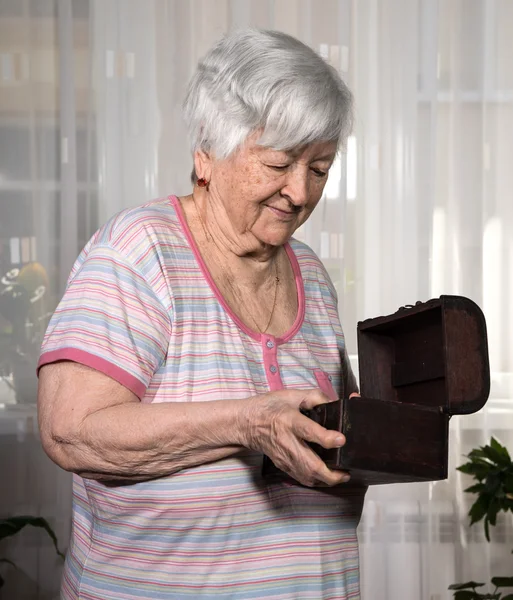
[[319, 173], [278, 167]]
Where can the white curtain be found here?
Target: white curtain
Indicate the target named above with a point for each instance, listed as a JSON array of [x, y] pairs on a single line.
[[433, 215], [419, 204]]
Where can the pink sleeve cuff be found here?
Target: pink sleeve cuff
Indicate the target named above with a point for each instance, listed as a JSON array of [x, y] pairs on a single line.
[[100, 364]]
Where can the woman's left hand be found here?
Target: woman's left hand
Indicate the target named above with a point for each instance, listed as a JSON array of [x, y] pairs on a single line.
[[274, 425]]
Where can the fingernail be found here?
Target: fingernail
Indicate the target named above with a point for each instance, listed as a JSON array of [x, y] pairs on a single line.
[[346, 478], [340, 440]]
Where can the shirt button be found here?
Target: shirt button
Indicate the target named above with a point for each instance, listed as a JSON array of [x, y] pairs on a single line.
[[269, 344], [273, 369]]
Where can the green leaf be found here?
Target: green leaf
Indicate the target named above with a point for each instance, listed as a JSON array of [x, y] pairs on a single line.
[[502, 581], [496, 457], [465, 586], [13, 525], [477, 453], [493, 484], [493, 509], [479, 458], [479, 471], [487, 529], [500, 448], [505, 504], [466, 595], [476, 489], [479, 509]]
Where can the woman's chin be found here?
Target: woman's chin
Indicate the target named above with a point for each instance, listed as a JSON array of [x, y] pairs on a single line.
[[275, 240], [276, 236]]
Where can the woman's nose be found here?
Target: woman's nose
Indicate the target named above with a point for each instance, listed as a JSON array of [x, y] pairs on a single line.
[[296, 187]]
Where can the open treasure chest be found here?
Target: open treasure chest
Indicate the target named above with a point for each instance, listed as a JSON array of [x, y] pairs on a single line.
[[418, 367]]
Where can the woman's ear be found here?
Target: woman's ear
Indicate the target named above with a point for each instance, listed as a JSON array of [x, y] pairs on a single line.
[[203, 165]]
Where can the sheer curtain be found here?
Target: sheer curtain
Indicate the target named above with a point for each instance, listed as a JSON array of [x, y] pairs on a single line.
[[419, 204], [434, 94]]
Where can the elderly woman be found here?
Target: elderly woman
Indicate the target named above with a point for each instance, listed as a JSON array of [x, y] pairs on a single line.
[[192, 332]]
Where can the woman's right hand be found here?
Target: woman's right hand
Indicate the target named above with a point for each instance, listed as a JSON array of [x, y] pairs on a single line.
[[273, 424]]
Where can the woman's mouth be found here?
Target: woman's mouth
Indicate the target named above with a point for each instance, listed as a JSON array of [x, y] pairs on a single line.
[[283, 215]]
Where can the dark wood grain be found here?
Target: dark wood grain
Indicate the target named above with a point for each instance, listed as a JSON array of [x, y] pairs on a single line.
[[418, 367]]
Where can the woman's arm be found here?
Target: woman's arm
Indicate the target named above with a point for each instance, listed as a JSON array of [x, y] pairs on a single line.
[[92, 425]]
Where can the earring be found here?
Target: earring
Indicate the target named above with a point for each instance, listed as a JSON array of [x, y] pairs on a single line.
[[202, 182]]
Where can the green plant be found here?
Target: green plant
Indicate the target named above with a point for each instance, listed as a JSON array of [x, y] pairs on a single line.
[[492, 468], [467, 591], [12, 525]]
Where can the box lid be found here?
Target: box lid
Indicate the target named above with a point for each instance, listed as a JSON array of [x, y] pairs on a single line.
[[434, 354]]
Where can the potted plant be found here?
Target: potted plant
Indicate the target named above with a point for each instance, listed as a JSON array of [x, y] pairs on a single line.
[[12, 525], [492, 469]]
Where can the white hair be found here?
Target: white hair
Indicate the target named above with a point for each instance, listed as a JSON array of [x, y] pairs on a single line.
[[257, 80]]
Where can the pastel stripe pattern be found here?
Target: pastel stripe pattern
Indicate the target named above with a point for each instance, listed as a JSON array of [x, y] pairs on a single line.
[[140, 306]]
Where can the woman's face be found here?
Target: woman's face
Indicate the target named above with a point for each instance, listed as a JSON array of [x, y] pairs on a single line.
[[267, 194]]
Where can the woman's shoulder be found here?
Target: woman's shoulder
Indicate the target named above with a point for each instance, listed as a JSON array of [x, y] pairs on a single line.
[[306, 257], [145, 221], [137, 235], [312, 268]]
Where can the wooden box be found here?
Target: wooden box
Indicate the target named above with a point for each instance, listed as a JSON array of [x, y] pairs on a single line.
[[418, 367]]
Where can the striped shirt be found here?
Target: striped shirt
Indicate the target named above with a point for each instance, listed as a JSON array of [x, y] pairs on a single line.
[[141, 307]]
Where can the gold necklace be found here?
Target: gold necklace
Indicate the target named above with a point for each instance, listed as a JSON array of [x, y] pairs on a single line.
[[236, 292]]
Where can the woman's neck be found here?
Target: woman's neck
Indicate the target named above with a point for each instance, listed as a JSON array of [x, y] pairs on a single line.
[[219, 229], [251, 262], [260, 289]]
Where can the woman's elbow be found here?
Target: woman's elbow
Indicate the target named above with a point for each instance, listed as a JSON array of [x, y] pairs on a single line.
[[58, 445], [57, 437]]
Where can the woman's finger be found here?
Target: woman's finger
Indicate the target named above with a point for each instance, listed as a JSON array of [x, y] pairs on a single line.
[[317, 473], [313, 398], [310, 431]]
